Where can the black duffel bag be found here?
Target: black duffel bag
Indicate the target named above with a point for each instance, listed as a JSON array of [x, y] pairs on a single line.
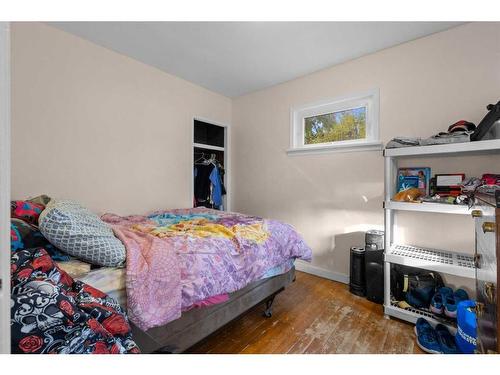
[[415, 286]]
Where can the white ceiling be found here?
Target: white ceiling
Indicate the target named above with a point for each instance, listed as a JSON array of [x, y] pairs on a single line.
[[235, 58]]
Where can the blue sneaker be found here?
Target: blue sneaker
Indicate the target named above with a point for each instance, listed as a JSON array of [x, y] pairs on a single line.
[[451, 302], [427, 338], [446, 340], [437, 304], [438, 300]]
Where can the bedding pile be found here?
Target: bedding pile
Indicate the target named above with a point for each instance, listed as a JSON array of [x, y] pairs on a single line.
[[52, 313], [24, 232], [179, 258], [176, 260]]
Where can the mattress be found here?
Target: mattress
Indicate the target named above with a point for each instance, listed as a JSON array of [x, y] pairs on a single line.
[[74, 267], [111, 280]]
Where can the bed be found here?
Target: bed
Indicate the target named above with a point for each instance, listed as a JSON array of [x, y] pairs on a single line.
[[196, 323], [190, 272]]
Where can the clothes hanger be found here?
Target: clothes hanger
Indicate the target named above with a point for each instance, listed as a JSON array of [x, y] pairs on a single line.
[[202, 158]]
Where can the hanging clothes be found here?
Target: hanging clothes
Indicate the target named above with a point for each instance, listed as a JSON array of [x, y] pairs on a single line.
[[202, 182], [208, 186], [216, 187], [222, 171]]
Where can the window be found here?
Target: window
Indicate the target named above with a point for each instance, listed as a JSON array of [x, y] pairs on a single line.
[[342, 124]]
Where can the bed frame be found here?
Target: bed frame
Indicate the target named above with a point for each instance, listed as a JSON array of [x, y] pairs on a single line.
[[196, 324]]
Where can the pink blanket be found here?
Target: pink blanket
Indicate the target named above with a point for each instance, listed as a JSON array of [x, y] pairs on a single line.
[[178, 259], [153, 274]]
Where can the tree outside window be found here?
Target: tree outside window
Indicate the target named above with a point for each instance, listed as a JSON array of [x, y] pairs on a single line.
[[338, 126]]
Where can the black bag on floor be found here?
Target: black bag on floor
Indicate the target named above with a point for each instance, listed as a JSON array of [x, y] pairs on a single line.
[[415, 286]]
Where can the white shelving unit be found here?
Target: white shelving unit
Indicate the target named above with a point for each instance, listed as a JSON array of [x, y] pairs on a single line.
[[444, 261]]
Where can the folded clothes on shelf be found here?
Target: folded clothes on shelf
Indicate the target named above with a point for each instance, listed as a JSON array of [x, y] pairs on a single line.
[[403, 142], [445, 138], [458, 132]]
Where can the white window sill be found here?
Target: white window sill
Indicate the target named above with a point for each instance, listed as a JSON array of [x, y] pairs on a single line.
[[365, 146]]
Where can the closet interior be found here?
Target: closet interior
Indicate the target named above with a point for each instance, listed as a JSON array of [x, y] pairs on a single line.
[[209, 159]]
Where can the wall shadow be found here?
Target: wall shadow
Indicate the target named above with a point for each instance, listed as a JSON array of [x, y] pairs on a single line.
[[337, 257]]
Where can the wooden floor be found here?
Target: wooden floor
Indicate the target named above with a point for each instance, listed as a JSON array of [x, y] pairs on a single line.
[[314, 315]]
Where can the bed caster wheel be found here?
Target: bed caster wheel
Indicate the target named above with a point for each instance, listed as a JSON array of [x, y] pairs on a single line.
[[268, 312]]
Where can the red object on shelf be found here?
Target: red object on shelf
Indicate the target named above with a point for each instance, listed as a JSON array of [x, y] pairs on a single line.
[[491, 179]]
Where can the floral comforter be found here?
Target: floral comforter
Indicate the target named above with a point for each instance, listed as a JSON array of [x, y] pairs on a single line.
[[52, 313], [180, 257]]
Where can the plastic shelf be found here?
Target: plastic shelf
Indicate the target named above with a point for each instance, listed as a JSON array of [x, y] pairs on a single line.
[[439, 208], [411, 315], [429, 207], [452, 149], [447, 262]]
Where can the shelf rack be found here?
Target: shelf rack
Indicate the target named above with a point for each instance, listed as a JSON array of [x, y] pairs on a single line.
[[466, 148], [445, 261], [429, 207], [411, 315]]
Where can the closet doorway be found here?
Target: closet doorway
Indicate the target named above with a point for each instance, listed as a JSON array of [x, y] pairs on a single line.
[[211, 173]]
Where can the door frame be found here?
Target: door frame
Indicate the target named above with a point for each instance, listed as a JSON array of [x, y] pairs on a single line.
[[227, 159], [5, 186]]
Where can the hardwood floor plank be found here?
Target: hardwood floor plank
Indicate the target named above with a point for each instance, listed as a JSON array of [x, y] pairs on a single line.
[[314, 315], [374, 327]]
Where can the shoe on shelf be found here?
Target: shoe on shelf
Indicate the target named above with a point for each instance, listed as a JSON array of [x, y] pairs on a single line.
[[446, 340], [451, 301], [437, 304], [438, 300], [427, 338]]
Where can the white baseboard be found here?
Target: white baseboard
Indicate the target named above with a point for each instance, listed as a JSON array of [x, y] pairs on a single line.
[[321, 272]]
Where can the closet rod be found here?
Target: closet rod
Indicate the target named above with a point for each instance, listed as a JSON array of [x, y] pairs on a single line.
[[208, 147]]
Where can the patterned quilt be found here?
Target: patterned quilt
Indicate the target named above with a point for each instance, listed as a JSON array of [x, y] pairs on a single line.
[[180, 257], [52, 313]]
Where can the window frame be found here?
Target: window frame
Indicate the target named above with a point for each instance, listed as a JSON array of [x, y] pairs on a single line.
[[368, 100]]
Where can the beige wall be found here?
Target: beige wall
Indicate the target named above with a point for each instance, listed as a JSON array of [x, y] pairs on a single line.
[[98, 127], [425, 85]]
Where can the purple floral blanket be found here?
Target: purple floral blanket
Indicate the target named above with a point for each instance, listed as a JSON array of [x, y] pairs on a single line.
[[180, 257]]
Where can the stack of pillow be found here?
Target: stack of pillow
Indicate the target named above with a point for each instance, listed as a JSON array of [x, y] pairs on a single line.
[[24, 231], [65, 229]]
